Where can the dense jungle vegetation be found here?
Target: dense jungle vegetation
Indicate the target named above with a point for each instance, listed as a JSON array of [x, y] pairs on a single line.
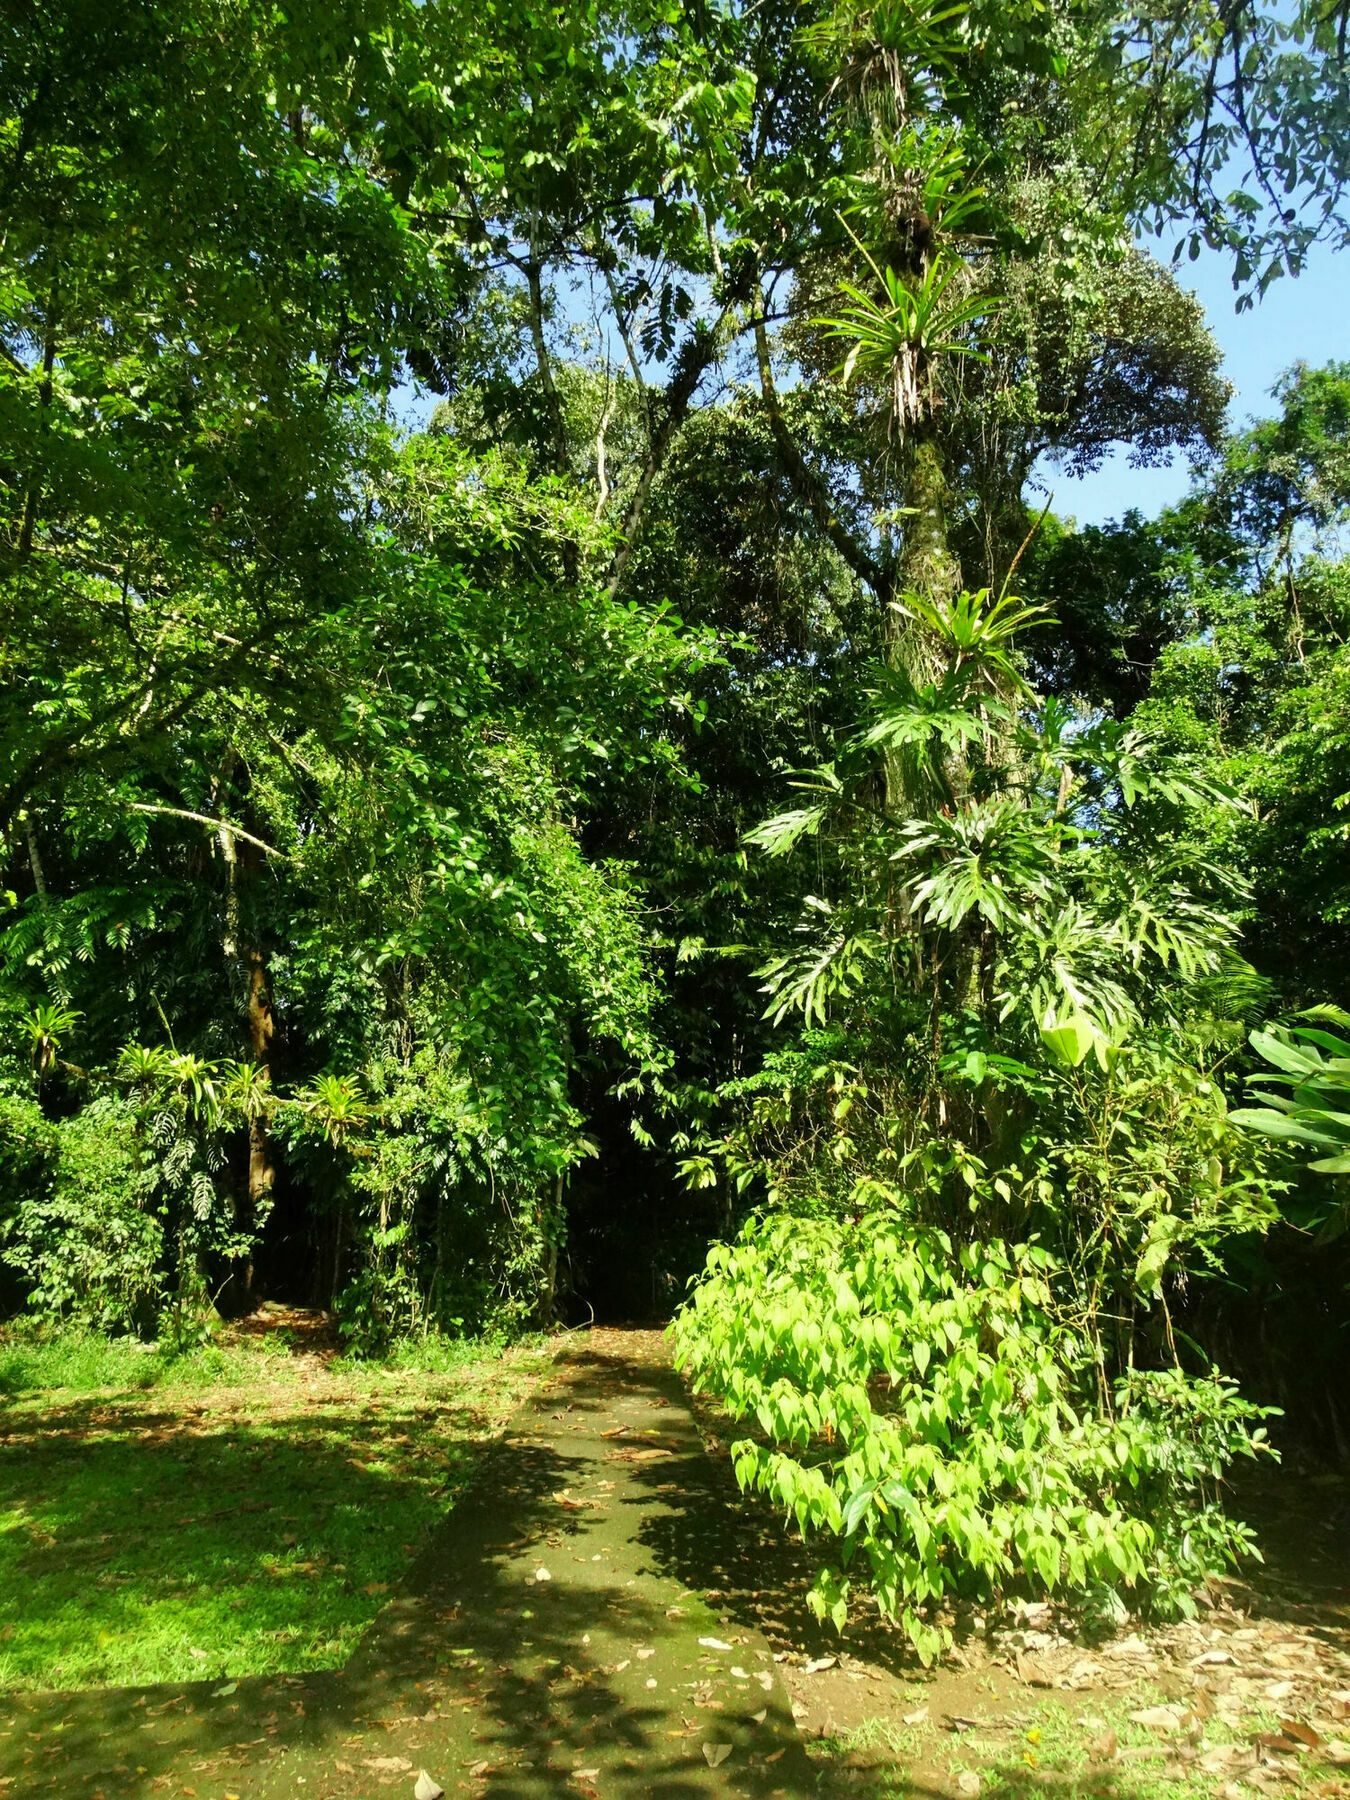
[[549, 725]]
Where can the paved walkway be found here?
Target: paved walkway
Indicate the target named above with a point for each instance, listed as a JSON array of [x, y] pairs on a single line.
[[552, 1640]]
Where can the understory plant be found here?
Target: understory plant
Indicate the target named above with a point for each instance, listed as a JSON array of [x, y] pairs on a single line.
[[925, 1410], [992, 1160]]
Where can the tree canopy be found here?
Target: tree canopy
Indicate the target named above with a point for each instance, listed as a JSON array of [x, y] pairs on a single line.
[[548, 725]]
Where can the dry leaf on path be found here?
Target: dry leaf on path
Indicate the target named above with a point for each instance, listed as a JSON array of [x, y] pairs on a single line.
[[427, 1789], [713, 1644], [716, 1754], [387, 1765], [818, 1664], [918, 1717]]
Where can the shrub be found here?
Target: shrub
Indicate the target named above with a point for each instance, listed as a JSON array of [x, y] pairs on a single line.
[[924, 1408], [77, 1228]]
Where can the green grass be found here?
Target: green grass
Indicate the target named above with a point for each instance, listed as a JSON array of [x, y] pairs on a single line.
[[237, 1511]]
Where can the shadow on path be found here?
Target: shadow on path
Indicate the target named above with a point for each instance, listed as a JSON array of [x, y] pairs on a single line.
[[547, 1642]]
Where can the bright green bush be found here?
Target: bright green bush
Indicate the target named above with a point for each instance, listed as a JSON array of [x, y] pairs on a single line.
[[78, 1229], [922, 1407]]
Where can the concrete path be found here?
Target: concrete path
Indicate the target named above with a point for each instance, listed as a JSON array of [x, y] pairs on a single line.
[[552, 1640]]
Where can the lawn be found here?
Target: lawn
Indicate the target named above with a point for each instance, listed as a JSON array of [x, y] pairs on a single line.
[[240, 1511]]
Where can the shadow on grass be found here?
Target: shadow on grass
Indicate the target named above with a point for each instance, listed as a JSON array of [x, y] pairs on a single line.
[[477, 1670], [135, 1535]]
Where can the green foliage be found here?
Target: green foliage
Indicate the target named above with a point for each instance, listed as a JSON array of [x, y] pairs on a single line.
[[899, 336], [924, 1407], [1314, 1065], [79, 1225]]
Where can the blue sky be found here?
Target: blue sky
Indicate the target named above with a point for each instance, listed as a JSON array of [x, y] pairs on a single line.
[[1306, 318]]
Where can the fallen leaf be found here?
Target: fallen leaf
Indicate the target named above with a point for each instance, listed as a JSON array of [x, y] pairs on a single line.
[[819, 1663], [584, 1774], [760, 1717], [219, 1693], [1032, 1674], [765, 1680], [1105, 1748], [1337, 1751], [716, 1754], [918, 1717], [1305, 1734], [713, 1644], [1210, 1657], [542, 1574], [427, 1789], [968, 1783], [1278, 1742], [738, 1673], [1216, 1760], [387, 1765], [1157, 1718]]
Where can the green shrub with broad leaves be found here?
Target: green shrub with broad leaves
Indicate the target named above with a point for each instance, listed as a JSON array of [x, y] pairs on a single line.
[[922, 1407]]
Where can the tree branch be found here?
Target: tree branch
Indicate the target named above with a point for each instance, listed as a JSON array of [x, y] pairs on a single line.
[[217, 825], [808, 484]]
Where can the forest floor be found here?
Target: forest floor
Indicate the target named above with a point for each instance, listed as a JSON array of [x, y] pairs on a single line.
[[600, 1614]]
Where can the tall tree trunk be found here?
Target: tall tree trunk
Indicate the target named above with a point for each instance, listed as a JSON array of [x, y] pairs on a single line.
[[244, 958], [35, 860]]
